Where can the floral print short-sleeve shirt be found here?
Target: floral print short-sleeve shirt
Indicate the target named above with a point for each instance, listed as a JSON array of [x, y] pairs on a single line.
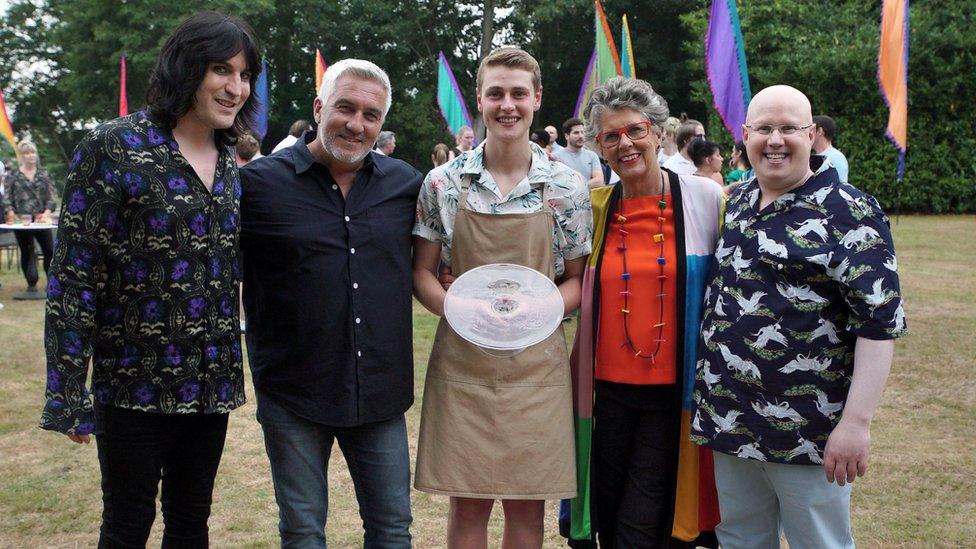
[[563, 188]]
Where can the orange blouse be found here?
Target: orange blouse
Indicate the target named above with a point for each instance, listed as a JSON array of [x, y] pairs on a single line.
[[615, 361]]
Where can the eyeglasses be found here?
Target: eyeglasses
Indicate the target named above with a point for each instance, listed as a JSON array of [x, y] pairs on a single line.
[[783, 130], [635, 132]]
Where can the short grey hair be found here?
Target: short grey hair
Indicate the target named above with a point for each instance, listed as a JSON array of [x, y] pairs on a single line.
[[384, 138], [623, 93], [359, 68]]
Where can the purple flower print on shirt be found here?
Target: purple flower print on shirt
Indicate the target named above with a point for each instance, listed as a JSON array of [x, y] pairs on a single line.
[[178, 184], [132, 139], [230, 223], [196, 307], [76, 201], [179, 270], [111, 315], [152, 311], [215, 267], [75, 159], [53, 287], [135, 184], [226, 310], [103, 392], [129, 356], [156, 137], [218, 187], [190, 391], [223, 390], [159, 223], [211, 351], [81, 257], [199, 224], [143, 392], [173, 355], [72, 343], [136, 272], [53, 381]]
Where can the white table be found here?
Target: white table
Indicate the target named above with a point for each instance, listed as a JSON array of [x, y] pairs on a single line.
[[31, 293]]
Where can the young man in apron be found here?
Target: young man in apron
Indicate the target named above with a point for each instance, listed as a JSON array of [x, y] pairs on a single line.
[[500, 428]]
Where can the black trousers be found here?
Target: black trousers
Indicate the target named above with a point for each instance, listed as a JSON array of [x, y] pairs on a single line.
[[635, 452], [138, 449], [28, 259]]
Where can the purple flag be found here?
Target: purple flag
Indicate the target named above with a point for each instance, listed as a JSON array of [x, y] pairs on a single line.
[[725, 64]]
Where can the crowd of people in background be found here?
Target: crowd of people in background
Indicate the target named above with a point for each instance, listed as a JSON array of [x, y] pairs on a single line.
[[727, 316]]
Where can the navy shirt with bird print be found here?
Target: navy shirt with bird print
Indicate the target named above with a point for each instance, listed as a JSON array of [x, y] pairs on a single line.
[[793, 286]]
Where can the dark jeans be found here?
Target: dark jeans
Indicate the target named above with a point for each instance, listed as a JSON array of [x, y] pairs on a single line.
[[28, 259], [378, 461], [135, 450], [635, 452]]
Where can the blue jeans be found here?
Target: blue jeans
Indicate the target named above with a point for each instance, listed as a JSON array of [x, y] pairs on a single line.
[[378, 461]]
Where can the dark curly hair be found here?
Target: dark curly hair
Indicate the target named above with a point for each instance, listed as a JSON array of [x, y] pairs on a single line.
[[700, 150], [203, 38]]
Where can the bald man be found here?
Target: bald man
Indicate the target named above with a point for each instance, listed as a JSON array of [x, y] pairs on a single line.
[[797, 338]]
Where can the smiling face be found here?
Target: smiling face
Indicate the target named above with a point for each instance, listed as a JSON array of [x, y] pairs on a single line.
[[507, 102], [349, 124], [781, 162], [632, 160], [222, 93]]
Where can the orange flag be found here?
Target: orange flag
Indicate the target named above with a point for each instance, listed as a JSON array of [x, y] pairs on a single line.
[[893, 73], [319, 69], [6, 128]]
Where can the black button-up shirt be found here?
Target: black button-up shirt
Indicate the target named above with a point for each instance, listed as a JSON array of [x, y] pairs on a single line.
[[143, 281], [327, 286]]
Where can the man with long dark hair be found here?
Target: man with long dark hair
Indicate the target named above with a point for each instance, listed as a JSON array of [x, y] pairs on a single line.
[[144, 282]]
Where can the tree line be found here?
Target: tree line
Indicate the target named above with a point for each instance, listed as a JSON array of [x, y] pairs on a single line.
[[60, 69]]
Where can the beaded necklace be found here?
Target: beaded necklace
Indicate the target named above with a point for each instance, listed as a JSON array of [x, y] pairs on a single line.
[[661, 261]]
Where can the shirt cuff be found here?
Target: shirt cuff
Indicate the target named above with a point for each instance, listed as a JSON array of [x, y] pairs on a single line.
[[577, 251], [428, 233], [60, 417]]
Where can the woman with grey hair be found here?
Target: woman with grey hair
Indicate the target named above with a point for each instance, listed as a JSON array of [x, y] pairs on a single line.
[[30, 196], [654, 234]]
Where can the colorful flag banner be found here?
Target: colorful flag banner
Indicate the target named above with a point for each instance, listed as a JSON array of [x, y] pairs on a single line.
[[320, 67], [627, 51], [604, 63], [449, 97], [123, 96], [263, 101], [6, 128], [725, 65], [893, 74]]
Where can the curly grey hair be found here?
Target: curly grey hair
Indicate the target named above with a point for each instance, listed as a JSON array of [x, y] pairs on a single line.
[[623, 93]]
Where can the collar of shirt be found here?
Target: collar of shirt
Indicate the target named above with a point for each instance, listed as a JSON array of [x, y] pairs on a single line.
[[304, 160], [540, 172], [806, 193]]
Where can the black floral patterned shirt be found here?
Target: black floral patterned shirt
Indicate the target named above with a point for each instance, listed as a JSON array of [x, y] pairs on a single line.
[[25, 196], [795, 285], [144, 281]]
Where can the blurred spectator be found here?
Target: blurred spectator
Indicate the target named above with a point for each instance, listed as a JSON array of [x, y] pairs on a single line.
[[708, 159], [688, 131], [248, 148], [440, 154], [463, 141], [669, 147], [386, 143], [30, 195], [296, 130]]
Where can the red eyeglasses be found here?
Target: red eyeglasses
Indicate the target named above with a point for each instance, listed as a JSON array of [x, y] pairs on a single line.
[[634, 132]]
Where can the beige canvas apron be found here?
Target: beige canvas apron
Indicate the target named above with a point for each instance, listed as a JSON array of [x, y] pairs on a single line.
[[498, 428]]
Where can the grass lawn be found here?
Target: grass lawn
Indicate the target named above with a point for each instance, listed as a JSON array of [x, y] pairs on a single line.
[[920, 490]]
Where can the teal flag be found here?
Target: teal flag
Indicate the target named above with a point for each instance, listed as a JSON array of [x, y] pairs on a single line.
[[449, 97]]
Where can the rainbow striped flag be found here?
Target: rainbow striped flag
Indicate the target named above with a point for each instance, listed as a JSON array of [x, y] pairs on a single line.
[[627, 51], [893, 74], [6, 128], [604, 62], [320, 67], [725, 65], [450, 100]]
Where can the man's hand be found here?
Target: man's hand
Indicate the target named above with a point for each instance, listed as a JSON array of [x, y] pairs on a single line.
[[445, 277], [80, 439], [846, 455]]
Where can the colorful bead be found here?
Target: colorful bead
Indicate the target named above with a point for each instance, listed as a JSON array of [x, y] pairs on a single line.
[[661, 261], [625, 311], [662, 204], [659, 238], [625, 276], [662, 219], [621, 218], [659, 325]]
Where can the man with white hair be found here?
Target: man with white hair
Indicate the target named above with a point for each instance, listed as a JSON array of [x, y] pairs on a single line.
[[812, 304], [386, 143], [326, 250]]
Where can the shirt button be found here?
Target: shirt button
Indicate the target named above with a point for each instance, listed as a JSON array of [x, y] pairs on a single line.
[[359, 353], [347, 219], [334, 187], [357, 320], [355, 285], [725, 288], [352, 250]]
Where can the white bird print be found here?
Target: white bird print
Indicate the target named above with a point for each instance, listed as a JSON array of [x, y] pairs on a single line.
[[730, 217], [845, 195], [721, 253], [751, 305], [738, 263], [718, 305], [801, 293], [780, 410], [770, 246], [805, 364], [877, 297], [708, 295], [808, 448], [726, 423], [891, 263], [737, 363], [707, 334], [836, 273], [825, 407], [900, 317], [817, 226], [857, 236], [821, 195], [750, 451], [696, 422], [826, 328], [707, 376], [769, 333]]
